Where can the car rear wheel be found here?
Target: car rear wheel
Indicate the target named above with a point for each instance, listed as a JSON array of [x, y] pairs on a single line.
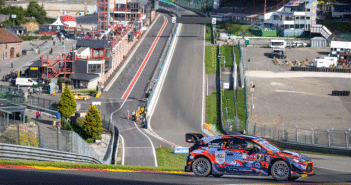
[[85, 99], [201, 167], [280, 170]]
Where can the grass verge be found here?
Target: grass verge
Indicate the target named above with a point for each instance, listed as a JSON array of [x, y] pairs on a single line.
[[228, 104], [166, 158], [237, 55], [212, 111], [240, 103], [85, 91], [211, 59], [227, 51], [208, 34], [84, 165]]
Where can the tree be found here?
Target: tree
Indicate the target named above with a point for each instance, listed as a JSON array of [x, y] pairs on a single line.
[[67, 104], [18, 11], [92, 126], [37, 11], [2, 4]]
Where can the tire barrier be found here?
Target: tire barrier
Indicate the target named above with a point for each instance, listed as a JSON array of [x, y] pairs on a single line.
[[340, 93], [323, 69]]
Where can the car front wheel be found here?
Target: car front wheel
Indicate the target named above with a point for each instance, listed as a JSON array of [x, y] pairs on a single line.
[[201, 167], [280, 170], [85, 99]]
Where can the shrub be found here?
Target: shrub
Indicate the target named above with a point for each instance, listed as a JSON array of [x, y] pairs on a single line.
[[18, 55], [11, 136], [92, 127], [80, 121]]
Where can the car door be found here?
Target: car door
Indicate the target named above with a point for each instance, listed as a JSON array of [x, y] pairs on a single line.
[[235, 156], [255, 157]]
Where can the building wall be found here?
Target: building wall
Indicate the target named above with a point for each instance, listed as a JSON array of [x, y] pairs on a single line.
[[5, 51], [80, 66]]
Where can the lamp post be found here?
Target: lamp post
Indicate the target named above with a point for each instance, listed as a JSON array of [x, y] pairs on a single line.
[[252, 90], [13, 16]]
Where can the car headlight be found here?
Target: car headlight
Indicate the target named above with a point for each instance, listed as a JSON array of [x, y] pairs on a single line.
[[298, 160]]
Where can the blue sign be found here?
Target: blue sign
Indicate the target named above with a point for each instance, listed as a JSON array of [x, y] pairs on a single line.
[[58, 115], [180, 150]]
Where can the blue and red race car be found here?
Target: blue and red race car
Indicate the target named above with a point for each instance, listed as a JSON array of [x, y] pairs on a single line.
[[244, 155]]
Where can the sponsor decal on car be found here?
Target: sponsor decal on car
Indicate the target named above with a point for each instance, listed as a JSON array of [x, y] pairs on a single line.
[[220, 156]]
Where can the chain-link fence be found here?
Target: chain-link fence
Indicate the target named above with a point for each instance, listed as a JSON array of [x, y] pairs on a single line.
[[13, 94], [45, 105], [160, 67], [202, 5], [320, 137], [12, 131]]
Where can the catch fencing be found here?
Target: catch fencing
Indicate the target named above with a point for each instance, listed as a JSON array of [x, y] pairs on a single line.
[[42, 104], [42, 134], [160, 67], [12, 93], [319, 137]]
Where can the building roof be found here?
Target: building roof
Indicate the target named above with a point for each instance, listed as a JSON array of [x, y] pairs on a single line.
[[92, 43], [8, 37], [84, 76]]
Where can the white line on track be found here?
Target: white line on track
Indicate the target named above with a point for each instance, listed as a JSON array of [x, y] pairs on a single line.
[[152, 145], [108, 86], [332, 169], [123, 150], [138, 147], [203, 82]]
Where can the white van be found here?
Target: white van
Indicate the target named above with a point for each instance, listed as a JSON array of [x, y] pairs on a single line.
[[25, 82], [278, 43], [325, 62]]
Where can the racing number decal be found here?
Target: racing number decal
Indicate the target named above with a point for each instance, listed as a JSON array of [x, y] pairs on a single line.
[[220, 156]]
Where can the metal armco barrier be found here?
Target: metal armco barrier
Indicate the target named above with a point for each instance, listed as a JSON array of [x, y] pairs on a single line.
[[340, 93], [17, 152], [322, 69]]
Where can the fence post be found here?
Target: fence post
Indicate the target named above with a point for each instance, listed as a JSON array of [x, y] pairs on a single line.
[[57, 134], [255, 129], [312, 136], [283, 133], [347, 144], [297, 135], [264, 131], [328, 138]]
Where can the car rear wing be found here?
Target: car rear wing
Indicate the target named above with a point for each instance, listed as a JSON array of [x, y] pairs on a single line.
[[192, 137]]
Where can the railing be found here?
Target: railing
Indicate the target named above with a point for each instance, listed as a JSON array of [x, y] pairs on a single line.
[[160, 66], [90, 58], [128, 9], [17, 152], [319, 137]]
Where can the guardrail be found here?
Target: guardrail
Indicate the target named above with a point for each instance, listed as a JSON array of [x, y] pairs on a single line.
[[321, 69], [155, 78], [18, 152]]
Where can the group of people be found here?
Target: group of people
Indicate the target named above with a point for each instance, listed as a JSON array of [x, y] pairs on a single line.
[[58, 125], [100, 87], [38, 115], [139, 114], [37, 90]]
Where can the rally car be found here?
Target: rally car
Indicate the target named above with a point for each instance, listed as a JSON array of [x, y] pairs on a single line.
[[79, 96], [244, 155]]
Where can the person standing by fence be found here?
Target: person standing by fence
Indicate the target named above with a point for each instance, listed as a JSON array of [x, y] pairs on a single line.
[[127, 114], [54, 123], [133, 115], [59, 127]]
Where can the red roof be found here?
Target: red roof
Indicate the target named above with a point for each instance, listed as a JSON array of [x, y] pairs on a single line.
[[7, 37], [68, 18]]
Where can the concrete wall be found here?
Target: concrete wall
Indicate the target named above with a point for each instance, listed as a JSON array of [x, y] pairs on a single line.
[[53, 9]]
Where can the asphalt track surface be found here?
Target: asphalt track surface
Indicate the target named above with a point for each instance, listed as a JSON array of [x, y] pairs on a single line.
[[137, 146], [12, 176], [179, 107]]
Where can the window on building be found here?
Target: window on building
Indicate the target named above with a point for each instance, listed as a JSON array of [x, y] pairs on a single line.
[[296, 26], [94, 68], [286, 26], [308, 10], [308, 18], [302, 17], [297, 18]]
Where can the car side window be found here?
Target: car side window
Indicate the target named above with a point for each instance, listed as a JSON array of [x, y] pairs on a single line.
[[235, 143], [218, 143]]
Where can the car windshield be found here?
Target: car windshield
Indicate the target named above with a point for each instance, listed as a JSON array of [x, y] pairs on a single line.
[[268, 145]]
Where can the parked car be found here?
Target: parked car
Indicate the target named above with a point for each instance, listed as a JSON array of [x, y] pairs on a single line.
[[299, 44], [24, 52], [244, 155], [79, 96], [25, 82]]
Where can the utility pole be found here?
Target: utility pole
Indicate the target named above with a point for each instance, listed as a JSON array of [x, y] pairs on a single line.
[[13, 16]]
